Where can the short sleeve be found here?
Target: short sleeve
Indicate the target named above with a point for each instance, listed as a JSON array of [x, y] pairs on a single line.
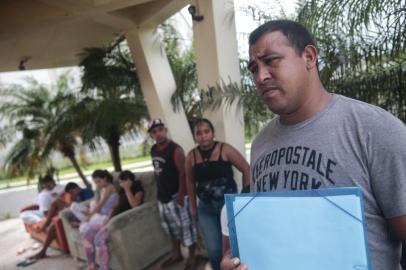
[[44, 201], [387, 154], [57, 191]]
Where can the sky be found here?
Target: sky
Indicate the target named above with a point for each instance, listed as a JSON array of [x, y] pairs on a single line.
[[244, 25], [273, 7]]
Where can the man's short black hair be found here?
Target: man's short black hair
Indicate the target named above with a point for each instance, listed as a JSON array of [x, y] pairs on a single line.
[[298, 36], [46, 179], [70, 186]]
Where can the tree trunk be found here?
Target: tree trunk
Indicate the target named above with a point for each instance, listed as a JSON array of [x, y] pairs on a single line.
[[78, 169], [115, 156], [113, 141]]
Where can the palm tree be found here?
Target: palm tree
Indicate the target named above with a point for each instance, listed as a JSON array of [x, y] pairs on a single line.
[[113, 102], [24, 156], [363, 48], [24, 109], [38, 112], [61, 132]]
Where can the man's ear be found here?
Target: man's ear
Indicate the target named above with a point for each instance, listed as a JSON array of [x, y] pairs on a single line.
[[310, 56]]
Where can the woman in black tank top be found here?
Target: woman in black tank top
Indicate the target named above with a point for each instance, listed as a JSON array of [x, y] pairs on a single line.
[[209, 174]]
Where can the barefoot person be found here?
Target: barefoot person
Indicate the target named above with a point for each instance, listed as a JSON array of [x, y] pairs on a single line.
[[169, 166], [50, 193], [98, 216], [130, 195], [77, 195]]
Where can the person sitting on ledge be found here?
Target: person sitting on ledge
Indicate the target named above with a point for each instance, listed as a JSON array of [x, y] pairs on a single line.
[[77, 195], [50, 192], [130, 195]]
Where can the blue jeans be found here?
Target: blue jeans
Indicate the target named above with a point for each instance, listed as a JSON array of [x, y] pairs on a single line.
[[209, 222]]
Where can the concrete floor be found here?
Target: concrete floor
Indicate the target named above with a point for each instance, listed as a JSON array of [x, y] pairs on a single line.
[[14, 238]]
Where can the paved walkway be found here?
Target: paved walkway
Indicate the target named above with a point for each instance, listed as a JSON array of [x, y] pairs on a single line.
[[14, 238]]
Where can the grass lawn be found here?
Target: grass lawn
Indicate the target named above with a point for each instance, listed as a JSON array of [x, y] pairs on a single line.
[[102, 165]]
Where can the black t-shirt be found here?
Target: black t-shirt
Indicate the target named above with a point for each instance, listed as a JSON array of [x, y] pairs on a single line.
[[166, 173], [214, 178], [123, 204]]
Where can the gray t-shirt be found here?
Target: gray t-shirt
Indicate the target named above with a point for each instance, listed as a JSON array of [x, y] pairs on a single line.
[[349, 143]]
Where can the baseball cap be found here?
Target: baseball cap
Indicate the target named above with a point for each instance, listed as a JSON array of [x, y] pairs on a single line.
[[155, 123]]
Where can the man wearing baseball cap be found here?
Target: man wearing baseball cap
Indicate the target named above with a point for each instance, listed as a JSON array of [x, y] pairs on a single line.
[[168, 160]]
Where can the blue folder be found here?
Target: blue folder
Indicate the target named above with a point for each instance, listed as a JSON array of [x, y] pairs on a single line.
[[299, 230]]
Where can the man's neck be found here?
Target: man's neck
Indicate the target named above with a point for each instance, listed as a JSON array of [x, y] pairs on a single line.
[[163, 144], [314, 104]]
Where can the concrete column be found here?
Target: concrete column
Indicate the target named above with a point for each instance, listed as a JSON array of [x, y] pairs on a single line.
[[158, 84], [215, 43]]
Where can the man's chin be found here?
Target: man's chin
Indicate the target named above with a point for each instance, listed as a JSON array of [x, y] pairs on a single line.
[[275, 108]]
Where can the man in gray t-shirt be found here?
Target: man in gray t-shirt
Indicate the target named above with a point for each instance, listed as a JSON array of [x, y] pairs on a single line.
[[320, 140]]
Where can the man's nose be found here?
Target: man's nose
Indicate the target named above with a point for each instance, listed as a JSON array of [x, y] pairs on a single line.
[[263, 75]]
